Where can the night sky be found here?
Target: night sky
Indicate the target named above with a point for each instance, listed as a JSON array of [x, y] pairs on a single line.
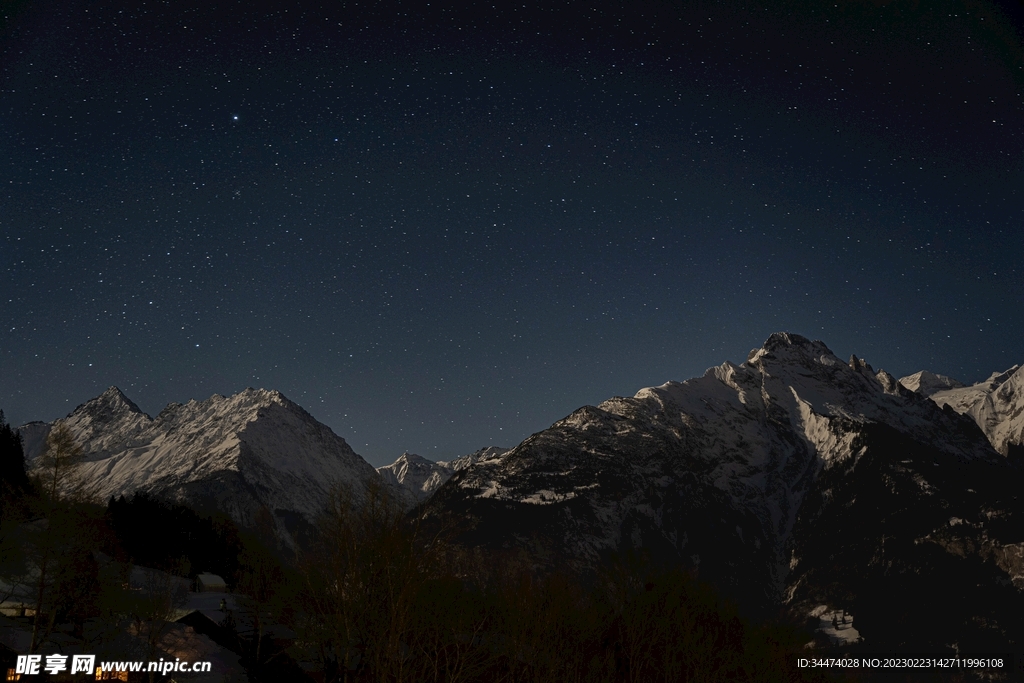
[[438, 228]]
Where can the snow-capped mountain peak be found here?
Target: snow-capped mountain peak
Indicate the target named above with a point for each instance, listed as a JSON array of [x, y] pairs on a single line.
[[411, 478], [995, 404], [927, 383], [238, 454], [812, 386], [108, 422]]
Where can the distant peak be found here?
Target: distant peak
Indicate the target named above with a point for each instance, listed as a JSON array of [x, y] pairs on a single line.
[[409, 462], [927, 383]]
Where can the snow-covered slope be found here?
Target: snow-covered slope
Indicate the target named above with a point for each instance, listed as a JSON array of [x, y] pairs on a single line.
[[412, 478], [996, 404], [238, 454], [760, 475]]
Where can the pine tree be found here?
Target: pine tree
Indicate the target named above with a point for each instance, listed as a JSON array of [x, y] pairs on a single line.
[[14, 487], [13, 479]]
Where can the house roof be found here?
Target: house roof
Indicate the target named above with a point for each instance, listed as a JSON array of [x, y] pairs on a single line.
[[211, 579]]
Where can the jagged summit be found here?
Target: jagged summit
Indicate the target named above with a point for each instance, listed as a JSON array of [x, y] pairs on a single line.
[[784, 340], [103, 423], [786, 348], [789, 345], [116, 400]]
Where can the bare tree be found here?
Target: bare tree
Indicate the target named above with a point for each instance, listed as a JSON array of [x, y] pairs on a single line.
[[379, 602], [260, 580], [149, 600], [57, 469], [57, 475]]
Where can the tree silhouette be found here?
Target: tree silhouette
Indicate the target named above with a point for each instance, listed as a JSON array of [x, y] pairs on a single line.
[[381, 602], [13, 478], [14, 489]]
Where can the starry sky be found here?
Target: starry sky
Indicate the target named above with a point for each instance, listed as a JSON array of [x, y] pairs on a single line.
[[442, 226]]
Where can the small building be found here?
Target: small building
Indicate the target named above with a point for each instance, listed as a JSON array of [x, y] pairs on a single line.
[[210, 583]]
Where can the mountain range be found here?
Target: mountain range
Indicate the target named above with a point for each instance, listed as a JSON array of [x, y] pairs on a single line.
[[412, 478], [793, 481], [239, 455]]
